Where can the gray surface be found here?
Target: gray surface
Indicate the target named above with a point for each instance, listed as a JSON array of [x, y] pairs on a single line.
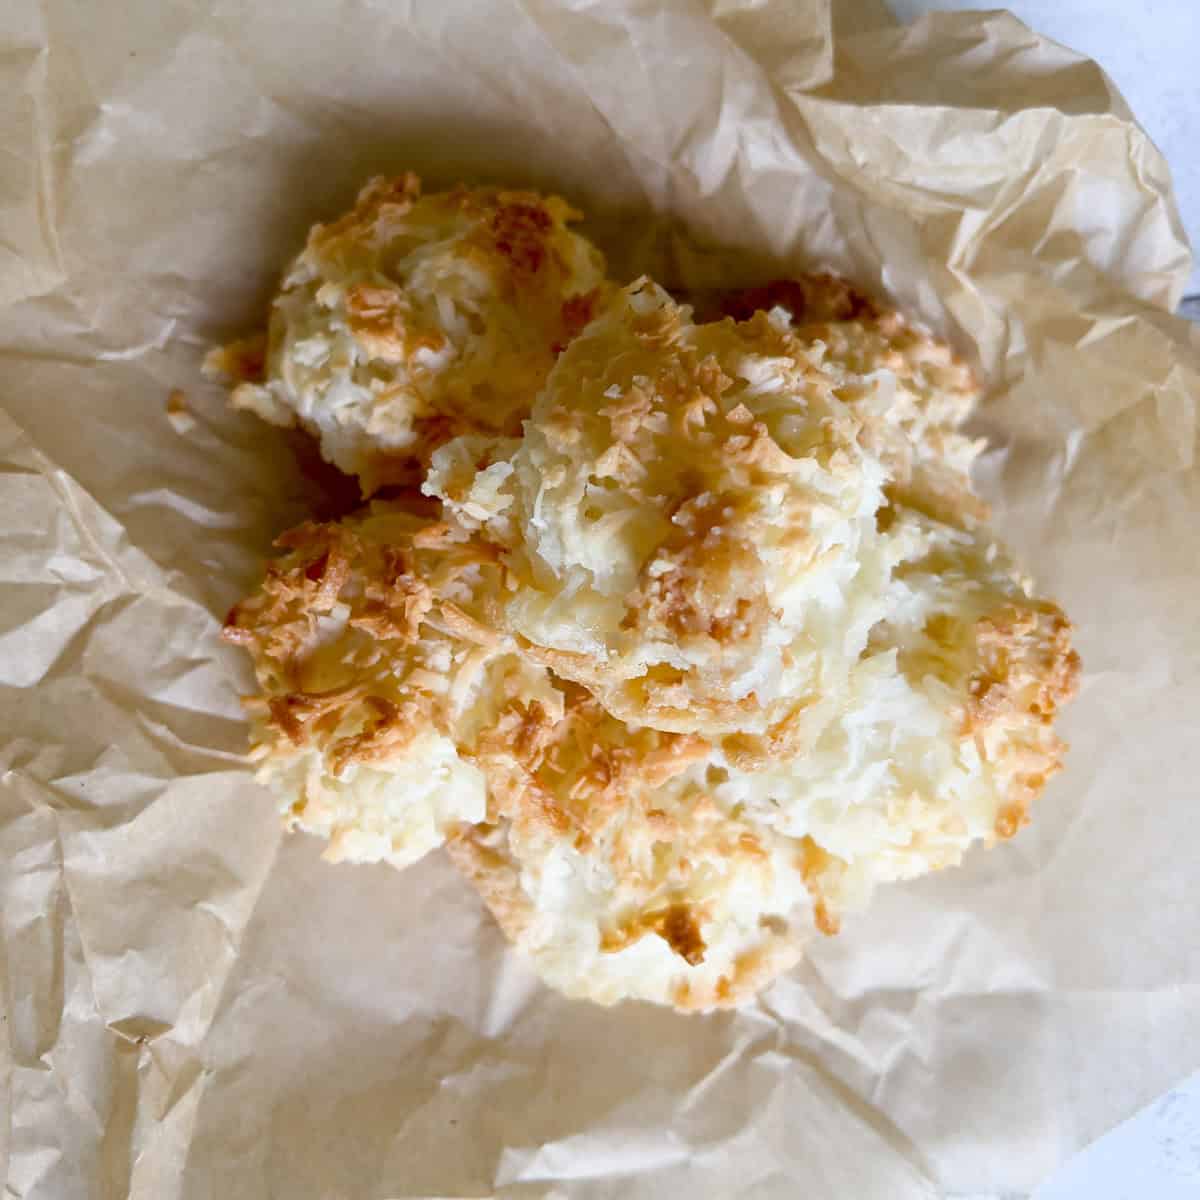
[[1150, 48], [1153, 1156]]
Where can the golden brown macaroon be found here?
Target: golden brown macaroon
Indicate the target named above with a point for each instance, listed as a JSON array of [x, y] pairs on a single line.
[[912, 422], [375, 647], [609, 862], [946, 735], [691, 518], [413, 319]]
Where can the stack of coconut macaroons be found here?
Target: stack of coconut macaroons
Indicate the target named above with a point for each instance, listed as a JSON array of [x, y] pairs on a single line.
[[680, 635]]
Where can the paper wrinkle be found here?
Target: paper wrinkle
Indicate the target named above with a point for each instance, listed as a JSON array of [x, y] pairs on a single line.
[[792, 43], [59, 1072], [92, 596], [30, 254], [982, 56], [198, 1007], [1036, 98]]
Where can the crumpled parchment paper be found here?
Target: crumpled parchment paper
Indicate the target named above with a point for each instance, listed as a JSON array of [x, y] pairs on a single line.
[[195, 1007]]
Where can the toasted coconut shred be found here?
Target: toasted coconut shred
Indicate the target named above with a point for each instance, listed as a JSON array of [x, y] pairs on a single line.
[[708, 639]]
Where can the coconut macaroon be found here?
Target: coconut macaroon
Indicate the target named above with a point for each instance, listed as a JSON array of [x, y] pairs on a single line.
[[375, 647], [691, 517], [909, 388], [947, 732], [413, 319], [610, 863]]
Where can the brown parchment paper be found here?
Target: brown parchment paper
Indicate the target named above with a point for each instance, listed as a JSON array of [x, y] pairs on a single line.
[[195, 1007]]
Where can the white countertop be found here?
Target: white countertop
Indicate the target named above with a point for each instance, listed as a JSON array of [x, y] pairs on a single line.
[[1150, 48]]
